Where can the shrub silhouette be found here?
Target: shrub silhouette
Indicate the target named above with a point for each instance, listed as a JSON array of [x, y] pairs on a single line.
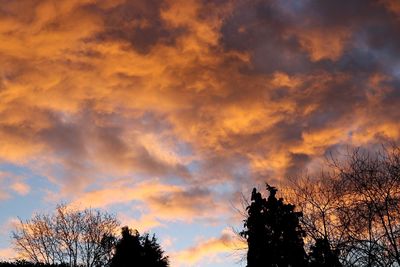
[[136, 250], [273, 232]]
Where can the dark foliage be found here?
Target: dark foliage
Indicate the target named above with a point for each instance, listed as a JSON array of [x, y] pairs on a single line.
[[136, 250], [273, 232], [322, 255]]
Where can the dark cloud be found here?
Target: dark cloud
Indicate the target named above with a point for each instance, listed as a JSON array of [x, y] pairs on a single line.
[[13, 9], [194, 202], [137, 23], [273, 33], [259, 28], [297, 165]]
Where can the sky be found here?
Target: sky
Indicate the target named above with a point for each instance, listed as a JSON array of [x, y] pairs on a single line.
[[166, 112]]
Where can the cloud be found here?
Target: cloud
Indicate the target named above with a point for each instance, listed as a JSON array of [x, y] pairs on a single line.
[[161, 202], [392, 6], [143, 224], [21, 188], [192, 100], [122, 194], [185, 205], [321, 45], [207, 249], [11, 183], [7, 254], [9, 225], [123, 89]]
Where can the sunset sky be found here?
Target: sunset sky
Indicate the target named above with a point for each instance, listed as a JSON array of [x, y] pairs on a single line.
[[164, 112]]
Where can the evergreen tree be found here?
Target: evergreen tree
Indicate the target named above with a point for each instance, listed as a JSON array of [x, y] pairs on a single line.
[[321, 255], [134, 250], [153, 253], [273, 232]]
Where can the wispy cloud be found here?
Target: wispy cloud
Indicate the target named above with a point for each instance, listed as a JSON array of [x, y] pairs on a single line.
[[208, 250]]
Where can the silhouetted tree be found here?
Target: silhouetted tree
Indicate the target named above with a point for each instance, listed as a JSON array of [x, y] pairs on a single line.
[[354, 208], [76, 237], [370, 208], [23, 263], [318, 201], [273, 233], [322, 255], [136, 250], [153, 253]]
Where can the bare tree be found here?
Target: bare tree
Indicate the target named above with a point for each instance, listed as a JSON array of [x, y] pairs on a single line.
[[317, 199], [78, 238], [371, 204], [355, 206]]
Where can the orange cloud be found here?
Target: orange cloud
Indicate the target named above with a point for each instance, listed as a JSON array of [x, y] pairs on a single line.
[[86, 88], [123, 194], [21, 188], [143, 224], [161, 202], [194, 97], [10, 182], [208, 249], [7, 254], [324, 44], [392, 5]]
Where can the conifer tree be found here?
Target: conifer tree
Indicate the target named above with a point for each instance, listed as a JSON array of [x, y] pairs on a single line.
[[322, 255], [273, 232], [136, 250]]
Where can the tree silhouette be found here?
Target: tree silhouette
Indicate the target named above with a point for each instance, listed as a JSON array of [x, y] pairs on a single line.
[[273, 232], [22, 263], [72, 236], [153, 253], [355, 207], [322, 255], [136, 250]]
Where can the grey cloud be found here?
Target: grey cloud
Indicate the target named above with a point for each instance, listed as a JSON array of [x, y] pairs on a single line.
[[297, 164], [138, 23]]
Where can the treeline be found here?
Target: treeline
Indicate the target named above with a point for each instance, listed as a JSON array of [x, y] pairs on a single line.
[[346, 216], [29, 264], [275, 236], [87, 238]]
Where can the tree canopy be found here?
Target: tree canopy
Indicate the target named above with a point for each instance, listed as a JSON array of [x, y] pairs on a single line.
[[84, 238], [348, 217], [322, 255], [273, 232], [71, 236], [351, 212], [134, 249]]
